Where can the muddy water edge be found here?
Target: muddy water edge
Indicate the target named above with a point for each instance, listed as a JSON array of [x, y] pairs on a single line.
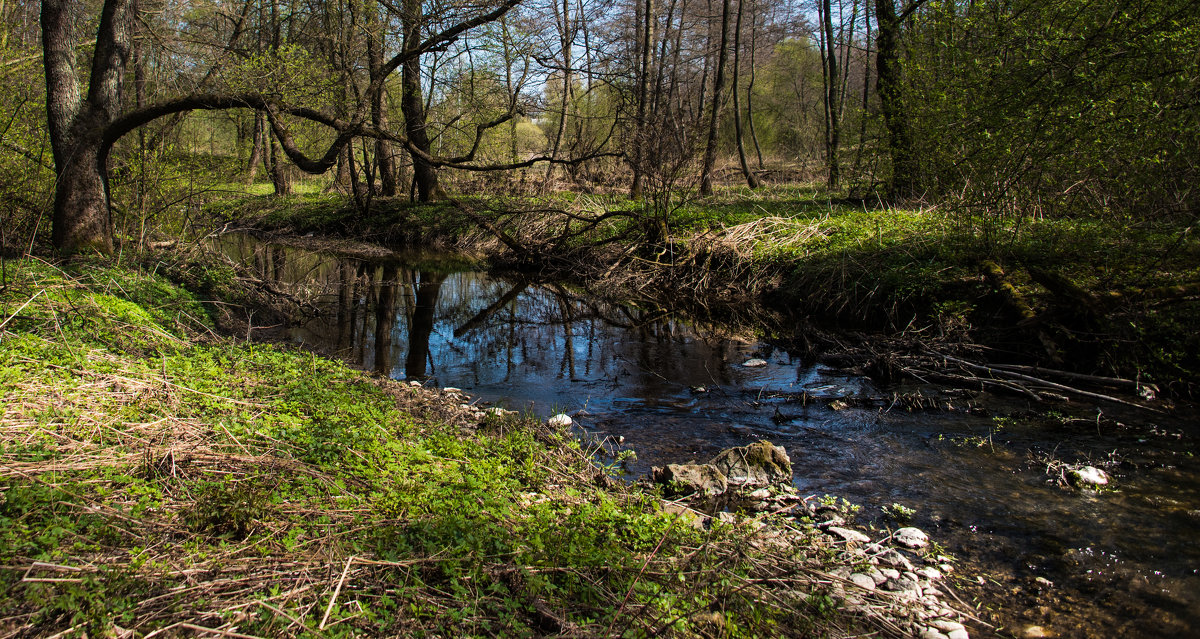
[[982, 473]]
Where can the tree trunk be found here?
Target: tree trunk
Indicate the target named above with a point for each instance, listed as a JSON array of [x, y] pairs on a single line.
[[887, 66], [866, 89], [645, 49], [751, 180], [425, 175], [279, 175], [565, 40], [383, 148], [701, 102], [82, 219], [832, 127], [750, 87], [256, 151], [710, 150]]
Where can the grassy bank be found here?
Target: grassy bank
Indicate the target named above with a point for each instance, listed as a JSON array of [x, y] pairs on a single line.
[[1102, 296], [157, 478]]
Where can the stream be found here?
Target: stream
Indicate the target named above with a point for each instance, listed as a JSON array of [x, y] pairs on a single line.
[[977, 471]]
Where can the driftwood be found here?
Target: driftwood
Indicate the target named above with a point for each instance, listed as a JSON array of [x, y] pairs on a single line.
[[991, 370], [1113, 382]]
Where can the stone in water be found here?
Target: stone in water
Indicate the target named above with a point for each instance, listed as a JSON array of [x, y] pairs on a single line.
[[1088, 476], [560, 420]]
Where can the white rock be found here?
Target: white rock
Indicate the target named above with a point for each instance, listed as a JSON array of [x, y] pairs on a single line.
[[560, 420], [451, 389], [932, 633], [761, 493], [911, 537], [947, 626], [958, 634], [754, 363], [863, 581], [877, 575], [847, 534], [1034, 632], [890, 573], [930, 573], [1088, 476]]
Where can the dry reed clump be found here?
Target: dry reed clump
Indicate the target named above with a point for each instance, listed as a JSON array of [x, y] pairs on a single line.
[[723, 266]]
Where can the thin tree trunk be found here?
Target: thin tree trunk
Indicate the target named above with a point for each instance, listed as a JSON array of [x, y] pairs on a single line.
[[673, 90], [846, 38], [866, 90], [565, 41], [710, 150], [831, 97], [751, 180], [256, 150], [750, 86], [646, 40], [383, 148], [508, 84], [702, 102]]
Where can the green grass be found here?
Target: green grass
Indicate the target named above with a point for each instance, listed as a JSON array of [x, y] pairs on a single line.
[[150, 479]]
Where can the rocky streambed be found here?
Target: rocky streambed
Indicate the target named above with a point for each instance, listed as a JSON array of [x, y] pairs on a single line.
[[897, 578], [897, 570]]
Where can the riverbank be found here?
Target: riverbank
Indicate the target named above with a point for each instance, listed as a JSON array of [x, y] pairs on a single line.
[[1115, 299], [162, 477]]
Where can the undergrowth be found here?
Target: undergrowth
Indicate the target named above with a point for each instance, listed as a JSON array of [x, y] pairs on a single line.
[[156, 483]]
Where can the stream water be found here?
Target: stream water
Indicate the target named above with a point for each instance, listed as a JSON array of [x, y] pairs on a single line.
[[1122, 562]]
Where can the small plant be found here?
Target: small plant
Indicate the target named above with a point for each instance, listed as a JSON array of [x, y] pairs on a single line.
[[227, 508], [899, 513]]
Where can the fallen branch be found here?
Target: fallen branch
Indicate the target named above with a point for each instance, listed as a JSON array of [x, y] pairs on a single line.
[[1050, 384]]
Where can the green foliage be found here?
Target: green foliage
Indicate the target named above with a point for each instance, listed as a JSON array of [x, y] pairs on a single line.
[[1063, 107]]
